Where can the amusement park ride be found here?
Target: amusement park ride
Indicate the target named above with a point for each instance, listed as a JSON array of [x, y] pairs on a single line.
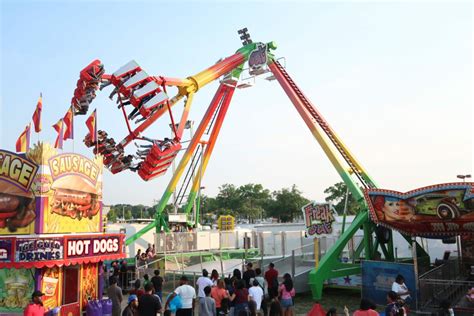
[[144, 98]]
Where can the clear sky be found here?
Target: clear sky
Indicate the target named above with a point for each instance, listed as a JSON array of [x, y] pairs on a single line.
[[393, 79]]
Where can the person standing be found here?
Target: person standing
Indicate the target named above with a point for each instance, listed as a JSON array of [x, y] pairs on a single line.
[[214, 277], [187, 294], [157, 282], [219, 293], [114, 292], [35, 308], [124, 274], [248, 274], [202, 282], [366, 308], [208, 308], [391, 309], [132, 307], [256, 294], [287, 292], [240, 297], [271, 276], [148, 304]]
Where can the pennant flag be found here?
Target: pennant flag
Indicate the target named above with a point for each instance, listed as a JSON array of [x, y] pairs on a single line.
[[37, 114], [68, 121], [59, 128], [92, 125], [23, 142]]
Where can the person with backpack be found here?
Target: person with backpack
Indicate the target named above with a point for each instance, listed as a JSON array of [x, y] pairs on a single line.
[[286, 293], [187, 294], [256, 294], [271, 276]]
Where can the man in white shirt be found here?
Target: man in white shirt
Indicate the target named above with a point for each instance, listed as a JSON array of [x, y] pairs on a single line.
[[187, 294], [202, 282], [256, 294]]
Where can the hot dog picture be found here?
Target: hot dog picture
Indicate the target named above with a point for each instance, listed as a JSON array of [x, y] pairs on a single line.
[[75, 197], [17, 207]]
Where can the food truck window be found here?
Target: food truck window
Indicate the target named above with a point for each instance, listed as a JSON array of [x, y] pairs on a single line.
[[71, 282]]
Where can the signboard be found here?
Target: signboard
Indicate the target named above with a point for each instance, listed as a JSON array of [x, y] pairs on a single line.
[[38, 249], [318, 218], [70, 189], [378, 277], [435, 211], [16, 286], [80, 247], [258, 59], [50, 286], [17, 201], [6, 249]]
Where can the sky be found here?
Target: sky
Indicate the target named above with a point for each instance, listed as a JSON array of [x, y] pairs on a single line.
[[393, 79]]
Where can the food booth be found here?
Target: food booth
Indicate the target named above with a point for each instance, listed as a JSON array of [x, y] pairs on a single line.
[[51, 230]]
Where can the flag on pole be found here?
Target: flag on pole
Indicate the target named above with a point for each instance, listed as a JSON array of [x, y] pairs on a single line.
[[37, 114], [68, 121], [59, 128], [23, 142], [92, 125]]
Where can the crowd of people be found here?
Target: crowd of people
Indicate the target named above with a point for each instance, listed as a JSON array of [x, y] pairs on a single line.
[[240, 294]]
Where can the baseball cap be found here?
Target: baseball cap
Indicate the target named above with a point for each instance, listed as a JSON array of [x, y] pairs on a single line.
[[37, 294], [132, 298]]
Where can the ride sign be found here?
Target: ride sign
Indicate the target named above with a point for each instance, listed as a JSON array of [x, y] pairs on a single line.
[[318, 218]]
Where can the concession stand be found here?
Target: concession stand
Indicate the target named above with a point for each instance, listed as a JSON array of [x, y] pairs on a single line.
[[51, 230]]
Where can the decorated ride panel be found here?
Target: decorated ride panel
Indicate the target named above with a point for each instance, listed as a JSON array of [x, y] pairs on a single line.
[[17, 199], [433, 211]]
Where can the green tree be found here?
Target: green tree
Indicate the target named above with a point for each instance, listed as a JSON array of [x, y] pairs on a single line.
[[287, 203], [253, 197], [336, 194], [112, 216], [228, 197]]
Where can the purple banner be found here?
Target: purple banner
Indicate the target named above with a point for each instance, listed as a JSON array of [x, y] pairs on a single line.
[[92, 246], [6, 250], [39, 249]]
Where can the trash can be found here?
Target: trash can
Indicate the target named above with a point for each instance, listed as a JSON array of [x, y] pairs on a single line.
[[94, 308], [106, 307]]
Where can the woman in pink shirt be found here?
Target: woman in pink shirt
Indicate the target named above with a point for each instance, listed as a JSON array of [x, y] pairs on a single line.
[[286, 294]]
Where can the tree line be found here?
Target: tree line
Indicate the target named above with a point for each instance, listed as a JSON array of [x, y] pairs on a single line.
[[249, 201]]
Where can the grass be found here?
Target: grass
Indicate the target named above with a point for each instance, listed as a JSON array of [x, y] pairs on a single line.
[[337, 298]]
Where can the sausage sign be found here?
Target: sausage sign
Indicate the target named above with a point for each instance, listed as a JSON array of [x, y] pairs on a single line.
[[17, 170]]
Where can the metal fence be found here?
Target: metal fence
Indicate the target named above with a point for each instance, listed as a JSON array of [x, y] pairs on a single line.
[[448, 282]]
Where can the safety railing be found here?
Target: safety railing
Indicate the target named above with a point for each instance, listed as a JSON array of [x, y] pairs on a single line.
[[450, 281]]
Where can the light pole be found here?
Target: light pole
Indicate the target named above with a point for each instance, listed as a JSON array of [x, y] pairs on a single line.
[[463, 177]]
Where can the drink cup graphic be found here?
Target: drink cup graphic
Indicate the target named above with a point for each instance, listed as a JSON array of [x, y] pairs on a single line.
[[49, 286]]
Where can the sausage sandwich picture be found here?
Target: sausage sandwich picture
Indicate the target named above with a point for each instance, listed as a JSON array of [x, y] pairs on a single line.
[[75, 197], [17, 207]]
